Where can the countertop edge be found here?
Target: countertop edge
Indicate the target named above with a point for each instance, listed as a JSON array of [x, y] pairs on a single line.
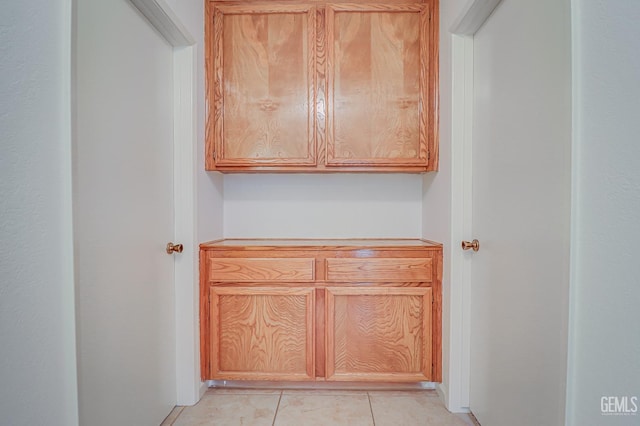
[[313, 243]]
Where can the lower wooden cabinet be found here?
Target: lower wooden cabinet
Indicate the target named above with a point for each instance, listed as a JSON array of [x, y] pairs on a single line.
[[363, 310]]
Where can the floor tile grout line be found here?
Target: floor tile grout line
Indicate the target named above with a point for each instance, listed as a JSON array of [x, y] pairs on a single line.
[[277, 407], [179, 414], [180, 409], [371, 409], [337, 394]]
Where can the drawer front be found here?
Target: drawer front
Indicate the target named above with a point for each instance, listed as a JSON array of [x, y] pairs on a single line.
[[261, 269], [379, 269]]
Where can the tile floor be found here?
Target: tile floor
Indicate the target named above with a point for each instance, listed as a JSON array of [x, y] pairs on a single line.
[[229, 407]]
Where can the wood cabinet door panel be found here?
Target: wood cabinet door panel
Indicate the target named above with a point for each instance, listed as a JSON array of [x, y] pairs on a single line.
[[381, 334], [377, 83], [263, 85], [262, 333]]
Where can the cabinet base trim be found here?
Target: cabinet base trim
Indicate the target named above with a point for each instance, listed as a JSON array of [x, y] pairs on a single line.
[[319, 385]]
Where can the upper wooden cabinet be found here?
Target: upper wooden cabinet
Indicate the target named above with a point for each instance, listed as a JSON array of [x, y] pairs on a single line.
[[321, 87]]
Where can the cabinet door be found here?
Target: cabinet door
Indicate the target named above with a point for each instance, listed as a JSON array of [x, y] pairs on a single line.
[[378, 333], [259, 333], [381, 86], [260, 66]]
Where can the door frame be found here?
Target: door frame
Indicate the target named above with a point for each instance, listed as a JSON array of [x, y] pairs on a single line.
[[189, 388], [462, 31], [457, 399]]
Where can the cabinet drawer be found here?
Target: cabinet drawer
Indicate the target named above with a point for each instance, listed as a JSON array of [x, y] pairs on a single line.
[[261, 269], [379, 269]]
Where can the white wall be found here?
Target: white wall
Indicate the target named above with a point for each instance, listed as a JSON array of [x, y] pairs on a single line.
[[37, 324], [605, 339], [322, 206], [436, 211]]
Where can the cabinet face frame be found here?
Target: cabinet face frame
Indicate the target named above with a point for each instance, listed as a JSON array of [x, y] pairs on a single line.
[[321, 154], [214, 34]]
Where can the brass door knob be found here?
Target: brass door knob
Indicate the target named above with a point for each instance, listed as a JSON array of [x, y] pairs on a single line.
[[174, 248], [475, 245]]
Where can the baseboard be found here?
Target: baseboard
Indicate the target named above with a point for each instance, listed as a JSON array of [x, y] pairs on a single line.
[[441, 389], [203, 389]]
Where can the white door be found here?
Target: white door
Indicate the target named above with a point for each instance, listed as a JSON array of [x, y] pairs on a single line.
[[521, 212], [123, 216]]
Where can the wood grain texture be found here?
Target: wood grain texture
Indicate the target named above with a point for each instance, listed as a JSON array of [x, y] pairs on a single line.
[[262, 333], [271, 244], [264, 73], [322, 87], [211, 81], [378, 334], [205, 315], [320, 168], [375, 85], [376, 269], [321, 2], [436, 322], [260, 269], [354, 259], [320, 312], [430, 77]]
